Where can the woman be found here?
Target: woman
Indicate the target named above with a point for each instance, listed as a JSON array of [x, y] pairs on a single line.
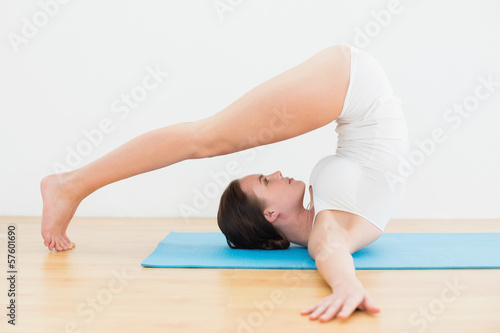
[[351, 199]]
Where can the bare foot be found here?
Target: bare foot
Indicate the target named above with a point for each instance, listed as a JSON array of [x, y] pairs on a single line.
[[59, 206]]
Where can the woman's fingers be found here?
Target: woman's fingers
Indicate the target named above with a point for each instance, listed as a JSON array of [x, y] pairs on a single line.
[[369, 305], [349, 306], [341, 306], [319, 310], [327, 308], [330, 313], [310, 309]]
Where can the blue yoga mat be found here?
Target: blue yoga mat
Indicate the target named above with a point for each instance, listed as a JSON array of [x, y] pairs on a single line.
[[390, 251]]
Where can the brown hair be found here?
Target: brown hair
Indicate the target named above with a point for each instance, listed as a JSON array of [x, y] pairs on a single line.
[[241, 219]]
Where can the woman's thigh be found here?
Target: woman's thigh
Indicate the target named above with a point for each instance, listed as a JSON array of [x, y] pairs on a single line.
[[302, 99]]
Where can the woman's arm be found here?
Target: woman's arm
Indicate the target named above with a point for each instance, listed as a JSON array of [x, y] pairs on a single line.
[[330, 245]]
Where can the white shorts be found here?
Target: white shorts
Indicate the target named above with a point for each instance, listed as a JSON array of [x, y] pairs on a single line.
[[372, 142]]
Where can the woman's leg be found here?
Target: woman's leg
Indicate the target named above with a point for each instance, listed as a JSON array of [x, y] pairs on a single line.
[[295, 102], [62, 193]]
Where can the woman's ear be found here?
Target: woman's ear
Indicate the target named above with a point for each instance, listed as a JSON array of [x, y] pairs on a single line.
[[271, 215]]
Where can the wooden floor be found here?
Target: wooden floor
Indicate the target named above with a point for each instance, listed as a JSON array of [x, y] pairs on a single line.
[[100, 286]]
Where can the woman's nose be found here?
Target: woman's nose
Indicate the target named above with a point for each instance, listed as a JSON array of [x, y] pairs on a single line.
[[277, 174]]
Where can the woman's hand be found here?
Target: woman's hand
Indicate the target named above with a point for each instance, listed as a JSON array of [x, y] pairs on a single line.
[[346, 297]]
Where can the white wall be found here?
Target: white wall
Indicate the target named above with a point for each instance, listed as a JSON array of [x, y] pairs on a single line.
[[68, 75]]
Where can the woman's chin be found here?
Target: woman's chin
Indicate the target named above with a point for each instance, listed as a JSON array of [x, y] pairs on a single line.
[[300, 184]]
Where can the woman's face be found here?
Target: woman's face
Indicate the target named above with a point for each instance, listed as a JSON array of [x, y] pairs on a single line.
[[279, 193]]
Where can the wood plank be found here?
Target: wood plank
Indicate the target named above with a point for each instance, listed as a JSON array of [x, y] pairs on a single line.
[[101, 287]]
